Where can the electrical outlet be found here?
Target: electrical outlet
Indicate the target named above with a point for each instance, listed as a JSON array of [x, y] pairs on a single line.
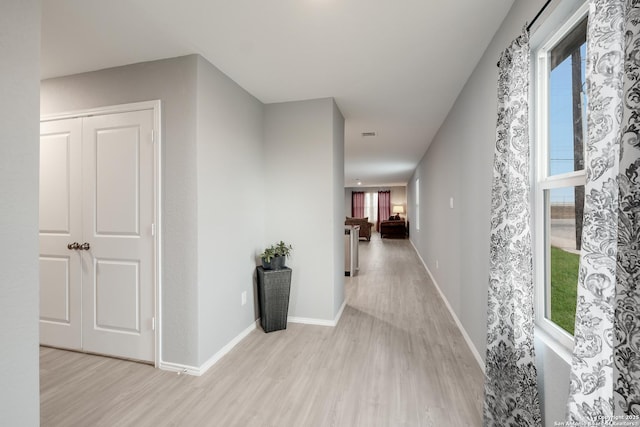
[[437, 264], [451, 202], [243, 298]]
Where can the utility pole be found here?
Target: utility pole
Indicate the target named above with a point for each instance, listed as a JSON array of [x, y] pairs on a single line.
[[578, 144]]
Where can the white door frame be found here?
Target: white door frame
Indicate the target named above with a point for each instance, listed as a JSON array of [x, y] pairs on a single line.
[[154, 105]]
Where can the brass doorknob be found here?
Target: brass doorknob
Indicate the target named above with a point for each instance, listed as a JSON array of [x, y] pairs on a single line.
[[73, 246], [85, 246]]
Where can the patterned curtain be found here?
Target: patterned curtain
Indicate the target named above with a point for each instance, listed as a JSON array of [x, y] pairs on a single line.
[[384, 206], [357, 204], [511, 394], [605, 372]]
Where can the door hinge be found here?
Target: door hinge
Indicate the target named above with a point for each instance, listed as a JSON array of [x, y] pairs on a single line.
[[153, 136], [153, 323], [153, 229]]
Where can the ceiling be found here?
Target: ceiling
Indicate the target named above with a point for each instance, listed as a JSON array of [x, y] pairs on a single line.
[[393, 67]]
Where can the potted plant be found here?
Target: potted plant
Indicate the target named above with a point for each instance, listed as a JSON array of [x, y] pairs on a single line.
[[274, 257], [274, 286]]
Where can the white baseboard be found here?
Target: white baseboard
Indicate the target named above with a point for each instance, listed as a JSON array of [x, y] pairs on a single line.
[[179, 368], [466, 337], [311, 321], [227, 348], [319, 322], [197, 371], [339, 315]]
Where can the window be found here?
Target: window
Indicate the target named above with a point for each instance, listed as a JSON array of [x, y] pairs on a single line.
[[418, 204], [371, 206], [559, 188]]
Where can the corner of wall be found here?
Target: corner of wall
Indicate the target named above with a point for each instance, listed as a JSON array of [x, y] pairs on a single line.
[[148, 81], [300, 182], [229, 170], [338, 209], [19, 171]]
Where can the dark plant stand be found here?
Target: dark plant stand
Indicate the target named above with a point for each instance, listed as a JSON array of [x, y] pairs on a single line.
[[273, 295]]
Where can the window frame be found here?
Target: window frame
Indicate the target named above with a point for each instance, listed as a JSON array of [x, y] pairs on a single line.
[[417, 204], [542, 181]]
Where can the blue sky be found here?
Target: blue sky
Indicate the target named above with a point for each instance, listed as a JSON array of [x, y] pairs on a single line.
[[561, 124]]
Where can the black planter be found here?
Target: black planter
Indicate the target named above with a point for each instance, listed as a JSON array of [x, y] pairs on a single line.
[[274, 287], [276, 263]]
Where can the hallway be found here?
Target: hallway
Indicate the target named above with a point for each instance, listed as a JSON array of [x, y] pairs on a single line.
[[396, 358]]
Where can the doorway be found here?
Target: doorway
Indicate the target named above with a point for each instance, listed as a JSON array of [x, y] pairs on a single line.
[[99, 231]]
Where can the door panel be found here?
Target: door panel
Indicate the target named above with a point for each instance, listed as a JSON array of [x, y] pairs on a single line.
[[60, 224], [117, 158], [117, 205], [55, 179], [55, 289], [117, 296]]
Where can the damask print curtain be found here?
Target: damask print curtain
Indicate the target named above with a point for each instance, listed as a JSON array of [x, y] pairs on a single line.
[[511, 395], [357, 204], [605, 372]]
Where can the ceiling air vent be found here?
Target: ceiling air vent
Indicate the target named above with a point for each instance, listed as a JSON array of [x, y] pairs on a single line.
[[366, 134]]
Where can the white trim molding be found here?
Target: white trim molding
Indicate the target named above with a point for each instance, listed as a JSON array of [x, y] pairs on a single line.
[[227, 348], [180, 369], [109, 109], [198, 371], [319, 322], [311, 321], [466, 337], [339, 315]]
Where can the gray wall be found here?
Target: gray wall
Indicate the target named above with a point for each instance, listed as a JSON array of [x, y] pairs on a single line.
[[230, 206], [301, 201], [459, 164], [19, 154], [338, 208], [235, 173], [174, 82]]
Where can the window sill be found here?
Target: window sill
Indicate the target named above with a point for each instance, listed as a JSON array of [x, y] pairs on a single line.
[[557, 347]]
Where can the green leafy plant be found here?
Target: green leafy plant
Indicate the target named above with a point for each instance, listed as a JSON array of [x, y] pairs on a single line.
[[268, 253], [282, 249], [277, 249]]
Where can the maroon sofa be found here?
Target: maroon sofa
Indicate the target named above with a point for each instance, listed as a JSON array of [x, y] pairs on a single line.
[[393, 229], [365, 226]]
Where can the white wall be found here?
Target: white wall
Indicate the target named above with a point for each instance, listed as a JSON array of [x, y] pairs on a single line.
[[230, 206], [19, 159], [459, 164], [301, 201]]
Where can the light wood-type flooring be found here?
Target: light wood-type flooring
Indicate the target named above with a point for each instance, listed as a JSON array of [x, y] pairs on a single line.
[[396, 358]]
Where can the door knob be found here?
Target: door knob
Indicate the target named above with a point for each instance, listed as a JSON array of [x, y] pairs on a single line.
[[74, 245], [85, 246]]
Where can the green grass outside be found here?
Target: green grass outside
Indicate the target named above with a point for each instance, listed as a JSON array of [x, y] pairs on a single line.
[[564, 286]]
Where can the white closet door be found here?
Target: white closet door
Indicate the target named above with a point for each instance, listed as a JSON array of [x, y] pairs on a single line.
[[97, 190], [60, 225], [117, 210]]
